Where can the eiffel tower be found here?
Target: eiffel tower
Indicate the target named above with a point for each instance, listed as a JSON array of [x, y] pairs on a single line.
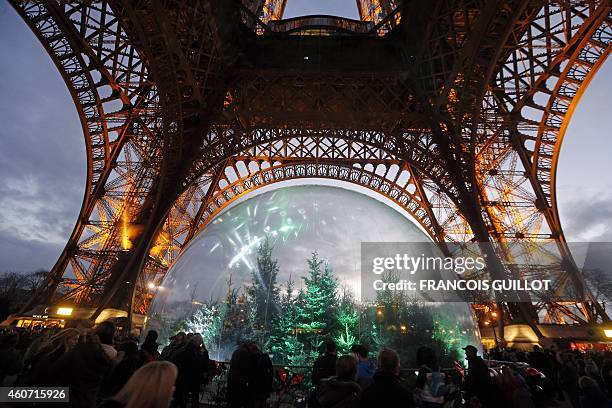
[[455, 110]]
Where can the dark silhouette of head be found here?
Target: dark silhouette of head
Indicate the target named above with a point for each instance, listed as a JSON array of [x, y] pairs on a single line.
[[151, 336], [388, 361], [9, 339], [470, 351], [360, 350], [330, 347], [178, 338], [346, 368], [130, 348], [105, 332], [427, 356]]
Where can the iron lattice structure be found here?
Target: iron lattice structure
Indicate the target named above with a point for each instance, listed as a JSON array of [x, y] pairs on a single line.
[[454, 109]]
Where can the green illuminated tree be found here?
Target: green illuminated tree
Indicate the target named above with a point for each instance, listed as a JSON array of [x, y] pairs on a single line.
[[317, 313], [348, 318], [404, 324], [285, 345], [316, 305]]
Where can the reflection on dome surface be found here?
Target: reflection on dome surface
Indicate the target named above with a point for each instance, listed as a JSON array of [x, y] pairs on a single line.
[[283, 269]]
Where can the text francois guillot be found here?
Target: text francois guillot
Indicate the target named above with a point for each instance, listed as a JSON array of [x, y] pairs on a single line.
[[458, 265]]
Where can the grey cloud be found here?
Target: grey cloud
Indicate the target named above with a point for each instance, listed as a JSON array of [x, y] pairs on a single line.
[[42, 161], [589, 218]]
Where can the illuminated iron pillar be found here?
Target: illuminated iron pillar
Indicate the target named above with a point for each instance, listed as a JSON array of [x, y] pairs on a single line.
[[441, 64], [137, 152], [483, 53], [118, 108], [188, 47], [541, 113]]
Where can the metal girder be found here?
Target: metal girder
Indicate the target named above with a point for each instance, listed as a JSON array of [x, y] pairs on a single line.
[[205, 199], [459, 64], [376, 10], [188, 49], [415, 147]]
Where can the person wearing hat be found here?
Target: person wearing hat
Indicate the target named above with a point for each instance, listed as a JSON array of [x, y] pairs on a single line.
[[478, 380]]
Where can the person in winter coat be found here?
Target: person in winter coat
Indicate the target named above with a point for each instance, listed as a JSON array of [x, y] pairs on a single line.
[[478, 381], [191, 363], [365, 368], [592, 395], [176, 343], [387, 389], [83, 370], [148, 350], [124, 369], [261, 376], [238, 378], [341, 390], [38, 372], [515, 389], [106, 333], [325, 365], [568, 379]]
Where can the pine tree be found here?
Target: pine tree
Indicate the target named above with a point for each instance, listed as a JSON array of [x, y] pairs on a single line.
[[263, 293], [284, 343], [348, 318], [316, 305], [237, 325]]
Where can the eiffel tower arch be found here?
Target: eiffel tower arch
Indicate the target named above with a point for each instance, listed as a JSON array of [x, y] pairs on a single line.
[[455, 110]]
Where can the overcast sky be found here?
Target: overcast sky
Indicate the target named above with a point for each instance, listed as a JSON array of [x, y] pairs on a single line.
[[42, 158]]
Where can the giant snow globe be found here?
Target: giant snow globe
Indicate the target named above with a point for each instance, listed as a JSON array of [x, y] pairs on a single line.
[[282, 269]]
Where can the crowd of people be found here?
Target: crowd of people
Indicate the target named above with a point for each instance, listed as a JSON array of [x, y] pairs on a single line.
[[103, 368], [582, 379]]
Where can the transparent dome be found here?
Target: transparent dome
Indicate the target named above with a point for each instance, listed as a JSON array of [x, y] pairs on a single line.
[[283, 269]]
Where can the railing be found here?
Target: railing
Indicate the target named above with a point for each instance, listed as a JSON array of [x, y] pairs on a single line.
[[291, 386], [320, 24], [333, 23]]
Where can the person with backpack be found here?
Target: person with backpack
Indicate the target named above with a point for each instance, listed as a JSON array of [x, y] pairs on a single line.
[[430, 380]]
